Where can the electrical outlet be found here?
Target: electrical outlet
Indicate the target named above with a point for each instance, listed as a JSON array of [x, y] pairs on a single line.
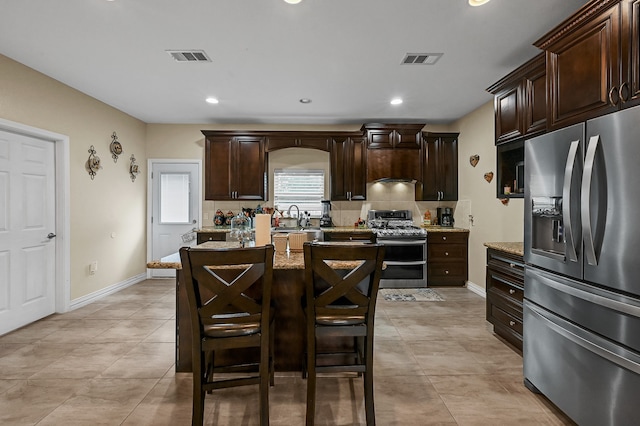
[[93, 267]]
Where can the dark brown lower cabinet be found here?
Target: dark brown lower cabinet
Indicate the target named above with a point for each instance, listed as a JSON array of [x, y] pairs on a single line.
[[505, 292], [447, 258]]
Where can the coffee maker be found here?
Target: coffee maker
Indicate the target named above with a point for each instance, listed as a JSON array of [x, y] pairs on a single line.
[[445, 217], [325, 220]]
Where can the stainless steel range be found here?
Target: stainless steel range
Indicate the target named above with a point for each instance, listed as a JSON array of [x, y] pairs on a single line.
[[405, 248]]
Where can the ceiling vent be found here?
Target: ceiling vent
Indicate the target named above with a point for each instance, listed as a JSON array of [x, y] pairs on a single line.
[[421, 58], [189, 55]]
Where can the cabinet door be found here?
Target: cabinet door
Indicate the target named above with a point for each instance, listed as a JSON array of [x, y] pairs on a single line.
[[535, 99], [380, 138], [248, 171], [440, 167], [357, 168], [339, 169], [583, 73], [630, 44], [507, 114], [430, 188], [448, 168], [218, 159], [408, 138], [348, 169]]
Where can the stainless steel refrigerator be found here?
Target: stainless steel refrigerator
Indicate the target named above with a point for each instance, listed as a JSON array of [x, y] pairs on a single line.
[[582, 275]]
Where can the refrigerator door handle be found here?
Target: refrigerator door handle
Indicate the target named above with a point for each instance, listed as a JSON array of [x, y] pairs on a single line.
[[572, 243], [585, 200]]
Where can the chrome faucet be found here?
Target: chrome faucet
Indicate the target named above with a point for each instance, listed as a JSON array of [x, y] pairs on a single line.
[[298, 216]]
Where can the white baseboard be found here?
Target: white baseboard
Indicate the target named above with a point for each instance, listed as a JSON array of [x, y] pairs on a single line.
[[480, 291], [97, 295]]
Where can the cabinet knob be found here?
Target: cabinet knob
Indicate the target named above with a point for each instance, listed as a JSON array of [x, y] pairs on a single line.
[[446, 272], [512, 265], [446, 253], [444, 238], [512, 323], [210, 238], [512, 291]]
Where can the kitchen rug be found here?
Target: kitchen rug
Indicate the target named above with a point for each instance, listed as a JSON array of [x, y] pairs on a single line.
[[411, 295]]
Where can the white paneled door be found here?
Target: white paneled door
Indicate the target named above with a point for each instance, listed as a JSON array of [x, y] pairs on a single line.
[[176, 194], [27, 230]]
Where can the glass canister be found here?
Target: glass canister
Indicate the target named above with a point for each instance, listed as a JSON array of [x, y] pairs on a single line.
[[241, 229]]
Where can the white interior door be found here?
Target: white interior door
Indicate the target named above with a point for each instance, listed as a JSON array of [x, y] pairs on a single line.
[[27, 230], [176, 198]]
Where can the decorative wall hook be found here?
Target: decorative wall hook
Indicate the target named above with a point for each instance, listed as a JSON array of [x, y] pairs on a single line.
[[133, 168], [93, 163], [115, 147]]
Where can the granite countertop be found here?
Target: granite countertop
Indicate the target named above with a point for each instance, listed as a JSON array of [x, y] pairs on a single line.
[[222, 229], [281, 260], [516, 248], [434, 228], [438, 228], [214, 229], [345, 229]]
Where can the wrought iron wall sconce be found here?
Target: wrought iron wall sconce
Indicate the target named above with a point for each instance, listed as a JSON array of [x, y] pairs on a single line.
[[93, 163], [115, 147], [133, 168]]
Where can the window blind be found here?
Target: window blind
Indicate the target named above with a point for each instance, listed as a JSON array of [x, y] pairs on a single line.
[[302, 187]]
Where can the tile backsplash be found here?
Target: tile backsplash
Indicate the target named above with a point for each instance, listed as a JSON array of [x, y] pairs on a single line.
[[380, 196]]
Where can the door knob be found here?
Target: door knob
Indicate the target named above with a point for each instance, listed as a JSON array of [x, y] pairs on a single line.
[[51, 235]]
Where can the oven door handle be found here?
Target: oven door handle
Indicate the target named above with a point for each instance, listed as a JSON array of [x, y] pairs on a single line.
[[396, 263], [401, 242]]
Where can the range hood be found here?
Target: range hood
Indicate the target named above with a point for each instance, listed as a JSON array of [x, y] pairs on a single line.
[[394, 180]]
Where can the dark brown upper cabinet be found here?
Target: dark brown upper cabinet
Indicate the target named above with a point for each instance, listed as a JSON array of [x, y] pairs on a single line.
[[520, 101], [387, 136], [440, 165], [592, 62], [348, 168], [235, 167], [392, 151]]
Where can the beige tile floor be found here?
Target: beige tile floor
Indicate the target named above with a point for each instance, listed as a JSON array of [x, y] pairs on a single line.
[[111, 363]]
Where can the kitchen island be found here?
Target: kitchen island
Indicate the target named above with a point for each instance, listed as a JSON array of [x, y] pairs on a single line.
[[287, 292]]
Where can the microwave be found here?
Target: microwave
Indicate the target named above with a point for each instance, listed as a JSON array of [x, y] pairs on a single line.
[[519, 182]]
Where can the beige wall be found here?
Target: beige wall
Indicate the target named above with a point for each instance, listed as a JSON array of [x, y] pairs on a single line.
[[108, 213], [492, 221]]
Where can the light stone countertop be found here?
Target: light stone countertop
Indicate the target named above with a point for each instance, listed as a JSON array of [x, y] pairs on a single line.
[[434, 228], [516, 248], [281, 260], [437, 228]]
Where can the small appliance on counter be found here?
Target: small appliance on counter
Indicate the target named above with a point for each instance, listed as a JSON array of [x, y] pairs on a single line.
[[325, 220], [447, 217]]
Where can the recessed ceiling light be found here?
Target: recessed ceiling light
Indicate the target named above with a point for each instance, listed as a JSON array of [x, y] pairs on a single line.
[[293, 1], [305, 101], [478, 2], [396, 101], [212, 100]]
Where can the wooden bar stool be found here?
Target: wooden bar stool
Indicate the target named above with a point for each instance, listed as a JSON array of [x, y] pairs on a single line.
[[341, 286], [229, 292]]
